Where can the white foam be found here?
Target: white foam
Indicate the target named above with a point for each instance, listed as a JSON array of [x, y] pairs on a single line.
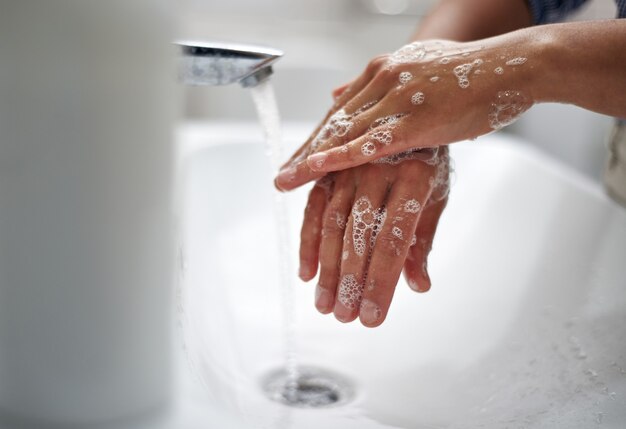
[[338, 125], [507, 108], [410, 154], [365, 219], [350, 291], [462, 72], [516, 61], [382, 136], [441, 182], [434, 79], [410, 53], [397, 232], [417, 98], [368, 149], [498, 70], [341, 220], [412, 206], [405, 77]]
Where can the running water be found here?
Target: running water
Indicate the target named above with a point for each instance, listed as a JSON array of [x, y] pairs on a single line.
[[303, 387], [267, 111]]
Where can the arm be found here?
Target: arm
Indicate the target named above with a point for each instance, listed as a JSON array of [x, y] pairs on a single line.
[[578, 63], [581, 63], [466, 20]]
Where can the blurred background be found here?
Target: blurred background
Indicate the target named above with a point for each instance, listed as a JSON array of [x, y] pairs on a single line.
[[328, 42]]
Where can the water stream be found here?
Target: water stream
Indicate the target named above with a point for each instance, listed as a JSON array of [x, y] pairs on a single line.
[[292, 385], [267, 111]]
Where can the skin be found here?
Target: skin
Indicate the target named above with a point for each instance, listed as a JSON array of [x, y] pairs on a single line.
[[586, 50], [326, 237], [576, 63]]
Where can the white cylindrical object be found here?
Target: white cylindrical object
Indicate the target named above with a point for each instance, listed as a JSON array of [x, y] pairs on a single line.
[[87, 104]]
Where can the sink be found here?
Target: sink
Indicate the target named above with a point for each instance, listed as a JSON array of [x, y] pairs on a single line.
[[525, 325]]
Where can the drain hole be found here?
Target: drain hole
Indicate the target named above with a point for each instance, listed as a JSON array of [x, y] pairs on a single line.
[[313, 388]]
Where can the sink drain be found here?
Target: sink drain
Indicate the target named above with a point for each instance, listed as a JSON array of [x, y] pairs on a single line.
[[312, 388]]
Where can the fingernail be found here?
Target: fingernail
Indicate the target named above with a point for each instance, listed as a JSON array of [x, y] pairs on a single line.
[[323, 299], [304, 272], [424, 285], [413, 284], [344, 314], [370, 312], [277, 185], [317, 160], [287, 174]]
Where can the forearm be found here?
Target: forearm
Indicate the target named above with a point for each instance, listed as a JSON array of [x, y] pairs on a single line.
[[581, 63], [587, 65], [466, 20]]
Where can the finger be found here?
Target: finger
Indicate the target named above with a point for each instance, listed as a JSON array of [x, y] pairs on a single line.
[[366, 217], [304, 150], [355, 87], [371, 147], [295, 175], [332, 233], [310, 235], [340, 90], [416, 264], [331, 131], [407, 197], [358, 115]]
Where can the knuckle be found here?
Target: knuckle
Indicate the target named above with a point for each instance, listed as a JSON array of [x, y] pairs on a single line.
[[354, 152], [384, 76], [388, 244], [377, 63], [332, 227], [328, 277]]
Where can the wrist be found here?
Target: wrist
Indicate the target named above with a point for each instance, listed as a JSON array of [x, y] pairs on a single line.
[[578, 63], [539, 75], [549, 68]]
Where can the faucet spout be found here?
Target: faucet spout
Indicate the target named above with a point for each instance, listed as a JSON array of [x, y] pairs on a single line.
[[203, 63]]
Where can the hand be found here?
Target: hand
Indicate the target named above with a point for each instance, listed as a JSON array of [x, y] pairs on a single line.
[[363, 225], [423, 95]]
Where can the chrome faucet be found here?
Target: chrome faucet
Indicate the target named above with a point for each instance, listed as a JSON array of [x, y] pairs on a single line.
[[204, 63]]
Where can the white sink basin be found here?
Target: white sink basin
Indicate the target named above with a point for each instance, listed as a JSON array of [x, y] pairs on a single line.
[[525, 326]]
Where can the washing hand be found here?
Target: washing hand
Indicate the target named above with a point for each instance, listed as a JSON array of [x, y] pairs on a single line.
[[363, 225], [434, 93], [424, 95]]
